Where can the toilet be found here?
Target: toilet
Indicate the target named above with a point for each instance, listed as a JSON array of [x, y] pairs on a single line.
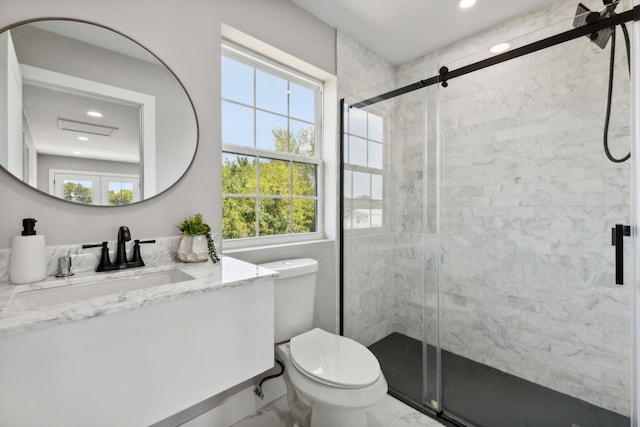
[[331, 380]]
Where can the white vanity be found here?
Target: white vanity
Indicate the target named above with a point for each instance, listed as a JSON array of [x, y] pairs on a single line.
[[135, 355]]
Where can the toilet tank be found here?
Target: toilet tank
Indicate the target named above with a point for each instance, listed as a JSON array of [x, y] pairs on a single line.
[[295, 292]]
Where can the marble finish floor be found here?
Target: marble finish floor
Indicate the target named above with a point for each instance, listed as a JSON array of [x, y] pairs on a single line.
[[388, 413]]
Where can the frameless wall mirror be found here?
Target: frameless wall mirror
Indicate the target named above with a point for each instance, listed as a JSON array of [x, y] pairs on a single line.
[[90, 116]]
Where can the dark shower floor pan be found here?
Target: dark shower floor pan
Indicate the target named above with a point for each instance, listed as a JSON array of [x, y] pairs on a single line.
[[484, 396]]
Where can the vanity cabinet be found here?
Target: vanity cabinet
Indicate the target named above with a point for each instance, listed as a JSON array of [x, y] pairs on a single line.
[[138, 366]]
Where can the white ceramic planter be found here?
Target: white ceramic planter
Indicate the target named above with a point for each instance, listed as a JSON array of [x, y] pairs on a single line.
[[193, 249]]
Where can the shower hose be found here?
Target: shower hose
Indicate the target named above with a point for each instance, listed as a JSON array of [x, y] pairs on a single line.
[[610, 93]]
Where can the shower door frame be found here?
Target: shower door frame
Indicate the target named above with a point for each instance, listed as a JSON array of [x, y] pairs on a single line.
[[635, 213], [633, 16]]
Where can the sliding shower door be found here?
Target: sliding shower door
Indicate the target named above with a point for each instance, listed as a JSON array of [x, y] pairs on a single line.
[[489, 232], [535, 331], [389, 240]]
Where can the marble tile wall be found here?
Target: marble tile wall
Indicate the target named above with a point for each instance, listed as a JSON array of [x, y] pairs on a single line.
[[368, 254]]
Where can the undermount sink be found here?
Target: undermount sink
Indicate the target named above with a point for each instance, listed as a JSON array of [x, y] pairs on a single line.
[[93, 288]]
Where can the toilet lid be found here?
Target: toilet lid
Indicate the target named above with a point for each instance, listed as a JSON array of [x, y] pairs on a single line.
[[334, 360]]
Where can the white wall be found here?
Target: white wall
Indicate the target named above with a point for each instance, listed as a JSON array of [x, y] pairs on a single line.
[[187, 39]]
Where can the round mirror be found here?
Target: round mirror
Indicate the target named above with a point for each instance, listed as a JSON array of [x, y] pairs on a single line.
[[90, 116]]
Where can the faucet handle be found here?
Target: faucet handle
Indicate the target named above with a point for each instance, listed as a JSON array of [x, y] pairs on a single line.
[[97, 245], [105, 261], [136, 257]]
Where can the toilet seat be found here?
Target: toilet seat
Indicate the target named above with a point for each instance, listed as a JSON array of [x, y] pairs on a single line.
[[333, 360]]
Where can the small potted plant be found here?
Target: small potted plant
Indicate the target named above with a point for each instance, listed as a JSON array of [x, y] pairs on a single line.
[[196, 244]]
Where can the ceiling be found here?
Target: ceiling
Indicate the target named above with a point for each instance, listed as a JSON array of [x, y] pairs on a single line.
[[45, 104], [43, 107], [401, 30]]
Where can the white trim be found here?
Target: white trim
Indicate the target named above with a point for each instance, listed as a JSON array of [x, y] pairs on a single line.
[[230, 245], [265, 154], [328, 216], [147, 104], [241, 53], [242, 39]]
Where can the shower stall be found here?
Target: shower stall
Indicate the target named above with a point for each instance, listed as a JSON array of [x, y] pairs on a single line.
[[488, 243]]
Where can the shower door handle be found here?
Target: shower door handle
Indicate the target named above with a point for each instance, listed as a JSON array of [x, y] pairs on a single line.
[[617, 234]]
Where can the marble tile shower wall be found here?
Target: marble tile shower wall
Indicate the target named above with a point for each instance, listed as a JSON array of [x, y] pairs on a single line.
[[368, 257], [528, 201]]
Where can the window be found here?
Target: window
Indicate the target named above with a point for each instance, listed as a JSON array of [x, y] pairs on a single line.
[[363, 158], [94, 188], [270, 137]]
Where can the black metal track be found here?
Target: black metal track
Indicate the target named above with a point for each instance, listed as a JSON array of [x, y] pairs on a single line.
[[445, 74]]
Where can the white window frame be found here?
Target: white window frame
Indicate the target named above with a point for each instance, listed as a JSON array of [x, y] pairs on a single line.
[[254, 59], [369, 170]]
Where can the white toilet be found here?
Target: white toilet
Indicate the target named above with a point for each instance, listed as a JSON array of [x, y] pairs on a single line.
[[331, 380]]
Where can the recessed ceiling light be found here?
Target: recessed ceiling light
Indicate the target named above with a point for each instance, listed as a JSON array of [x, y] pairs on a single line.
[[467, 3], [77, 152], [94, 113], [500, 47], [83, 138]]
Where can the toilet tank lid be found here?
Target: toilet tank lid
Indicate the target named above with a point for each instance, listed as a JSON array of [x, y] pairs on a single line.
[[292, 267]]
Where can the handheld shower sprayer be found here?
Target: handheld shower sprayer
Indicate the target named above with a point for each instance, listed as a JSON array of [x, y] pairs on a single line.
[[584, 16]]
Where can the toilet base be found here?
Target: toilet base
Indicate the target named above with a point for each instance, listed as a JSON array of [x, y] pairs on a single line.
[[316, 405]]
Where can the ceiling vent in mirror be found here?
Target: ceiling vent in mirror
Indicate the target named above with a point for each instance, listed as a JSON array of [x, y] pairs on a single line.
[[74, 126]]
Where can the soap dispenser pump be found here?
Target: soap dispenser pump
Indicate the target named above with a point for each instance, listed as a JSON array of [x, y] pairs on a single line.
[[28, 262]]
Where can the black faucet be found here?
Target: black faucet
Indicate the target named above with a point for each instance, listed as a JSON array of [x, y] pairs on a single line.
[[124, 235], [121, 252]]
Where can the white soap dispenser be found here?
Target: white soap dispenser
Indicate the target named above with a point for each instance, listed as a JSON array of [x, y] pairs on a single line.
[[28, 261]]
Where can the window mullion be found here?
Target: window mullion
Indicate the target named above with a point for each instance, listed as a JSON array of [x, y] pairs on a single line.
[[274, 155], [258, 196], [290, 197], [255, 133]]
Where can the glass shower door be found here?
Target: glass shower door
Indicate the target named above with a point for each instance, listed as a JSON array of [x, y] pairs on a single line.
[[389, 217], [534, 329]]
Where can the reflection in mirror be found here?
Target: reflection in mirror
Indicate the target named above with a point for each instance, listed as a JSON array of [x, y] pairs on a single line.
[[91, 116]]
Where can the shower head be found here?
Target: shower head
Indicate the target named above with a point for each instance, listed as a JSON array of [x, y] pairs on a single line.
[[585, 16]]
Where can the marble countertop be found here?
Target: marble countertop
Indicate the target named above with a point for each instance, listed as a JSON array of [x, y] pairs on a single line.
[[208, 277]]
